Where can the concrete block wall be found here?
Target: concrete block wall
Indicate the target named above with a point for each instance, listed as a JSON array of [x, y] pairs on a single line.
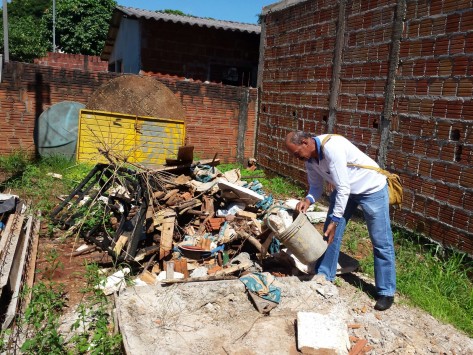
[[216, 115], [421, 92]]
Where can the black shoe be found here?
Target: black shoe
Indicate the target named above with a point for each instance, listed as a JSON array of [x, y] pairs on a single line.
[[384, 302]]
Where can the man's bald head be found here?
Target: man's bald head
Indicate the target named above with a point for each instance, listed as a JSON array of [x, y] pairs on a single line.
[[301, 145]]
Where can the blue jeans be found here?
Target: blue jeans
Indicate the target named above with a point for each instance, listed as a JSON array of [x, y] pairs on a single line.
[[375, 209]]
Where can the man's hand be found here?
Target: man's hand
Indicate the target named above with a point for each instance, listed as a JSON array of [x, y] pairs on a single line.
[[330, 232], [302, 206]]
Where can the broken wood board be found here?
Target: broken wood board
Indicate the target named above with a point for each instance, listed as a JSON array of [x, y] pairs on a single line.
[[11, 241], [164, 221], [17, 271], [186, 166], [31, 263], [120, 244]]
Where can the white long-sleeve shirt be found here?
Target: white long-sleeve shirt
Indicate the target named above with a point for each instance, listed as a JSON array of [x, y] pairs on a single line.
[[332, 167]]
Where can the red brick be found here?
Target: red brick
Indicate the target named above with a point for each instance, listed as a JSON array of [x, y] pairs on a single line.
[[457, 44], [453, 23], [443, 130], [446, 216], [445, 67], [466, 21], [466, 177], [441, 46], [465, 87], [449, 87], [460, 218]]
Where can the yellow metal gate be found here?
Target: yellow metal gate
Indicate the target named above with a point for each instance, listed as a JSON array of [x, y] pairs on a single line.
[[138, 139]]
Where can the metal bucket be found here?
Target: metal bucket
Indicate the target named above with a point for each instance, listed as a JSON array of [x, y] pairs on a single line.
[[302, 239]]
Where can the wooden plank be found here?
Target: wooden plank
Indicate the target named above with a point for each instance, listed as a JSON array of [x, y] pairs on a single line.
[[164, 222], [31, 266], [8, 253], [17, 271], [185, 166], [246, 264], [6, 233], [122, 240]]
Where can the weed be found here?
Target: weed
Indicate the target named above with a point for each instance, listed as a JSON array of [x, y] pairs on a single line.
[[15, 162], [94, 337], [30, 180], [52, 257], [355, 238], [436, 280], [42, 320]]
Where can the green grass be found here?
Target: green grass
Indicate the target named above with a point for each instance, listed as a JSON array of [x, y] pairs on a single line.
[[92, 331], [29, 179], [436, 280]]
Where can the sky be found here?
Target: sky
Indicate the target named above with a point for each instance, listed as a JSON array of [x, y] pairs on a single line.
[[230, 10]]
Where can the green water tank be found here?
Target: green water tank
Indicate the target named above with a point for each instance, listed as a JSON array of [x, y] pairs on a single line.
[[57, 128]]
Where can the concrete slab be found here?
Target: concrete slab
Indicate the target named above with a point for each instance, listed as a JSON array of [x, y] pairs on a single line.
[[218, 317]]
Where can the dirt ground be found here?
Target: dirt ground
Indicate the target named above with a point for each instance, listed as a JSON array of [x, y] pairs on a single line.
[[399, 330]]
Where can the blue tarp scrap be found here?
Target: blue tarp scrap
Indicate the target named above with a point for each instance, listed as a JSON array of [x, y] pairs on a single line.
[[255, 186], [203, 173], [265, 203], [261, 284], [275, 246]]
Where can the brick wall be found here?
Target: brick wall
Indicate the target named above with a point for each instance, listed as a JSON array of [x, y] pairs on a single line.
[[73, 61], [200, 53], [213, 112], [430, 121]]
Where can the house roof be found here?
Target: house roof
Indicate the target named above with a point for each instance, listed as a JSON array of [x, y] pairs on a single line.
[[131, 12]]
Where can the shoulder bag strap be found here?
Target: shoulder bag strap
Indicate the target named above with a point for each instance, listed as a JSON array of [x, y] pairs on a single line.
[[379, 170], [326, 139]]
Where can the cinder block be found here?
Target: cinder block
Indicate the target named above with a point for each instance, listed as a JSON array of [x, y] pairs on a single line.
[[319, 332]]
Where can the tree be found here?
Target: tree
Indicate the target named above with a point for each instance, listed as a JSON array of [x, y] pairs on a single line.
[[27, 35], [23, 8], [81, 25], [26, 39]]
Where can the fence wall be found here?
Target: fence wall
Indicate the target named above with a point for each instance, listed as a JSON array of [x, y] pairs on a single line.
[[216, 115]]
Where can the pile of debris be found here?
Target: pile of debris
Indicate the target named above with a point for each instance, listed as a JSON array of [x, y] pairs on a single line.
[[201, 225]]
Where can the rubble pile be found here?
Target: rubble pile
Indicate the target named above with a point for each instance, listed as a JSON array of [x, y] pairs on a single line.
[[203, 224]]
